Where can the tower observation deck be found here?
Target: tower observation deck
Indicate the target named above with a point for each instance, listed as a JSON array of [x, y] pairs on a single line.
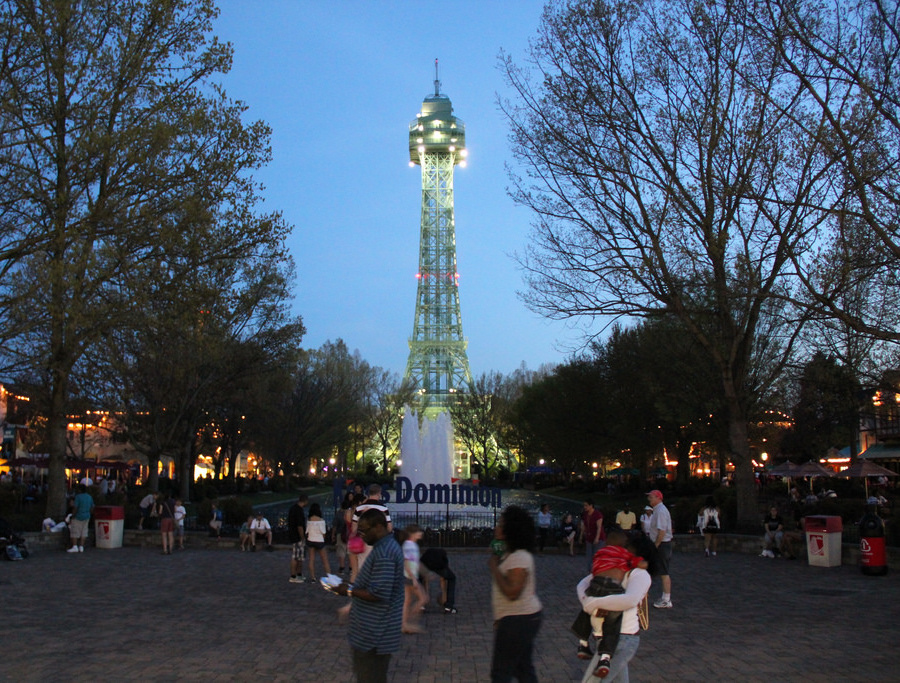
[[437, 362]]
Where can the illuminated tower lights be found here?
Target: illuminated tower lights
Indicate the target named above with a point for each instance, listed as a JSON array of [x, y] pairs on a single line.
[[437, 362]]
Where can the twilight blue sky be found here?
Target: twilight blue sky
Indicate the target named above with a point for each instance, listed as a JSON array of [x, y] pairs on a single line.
[[339, 82]]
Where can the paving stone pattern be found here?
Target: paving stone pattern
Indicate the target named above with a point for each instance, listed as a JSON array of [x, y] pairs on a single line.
[[222, 615]]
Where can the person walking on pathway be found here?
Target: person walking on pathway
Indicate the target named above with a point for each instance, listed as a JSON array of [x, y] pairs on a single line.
[[376, 605], [416, 599], [591, 530], [661, 534], [516, 606], [709, 524]]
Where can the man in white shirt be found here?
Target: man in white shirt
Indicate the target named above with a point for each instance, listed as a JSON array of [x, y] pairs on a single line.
[[661, 535], [260, 527]]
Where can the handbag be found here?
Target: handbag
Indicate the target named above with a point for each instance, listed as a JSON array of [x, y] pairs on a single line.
[[356, 545], [643, 613]]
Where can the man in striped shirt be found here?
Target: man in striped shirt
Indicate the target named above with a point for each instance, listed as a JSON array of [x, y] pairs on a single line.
[[376, 611]]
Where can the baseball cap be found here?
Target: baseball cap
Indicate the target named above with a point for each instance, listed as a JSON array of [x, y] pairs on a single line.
[[655, 492]]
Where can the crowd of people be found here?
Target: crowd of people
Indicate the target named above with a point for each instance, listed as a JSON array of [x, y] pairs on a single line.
[[387, 576]]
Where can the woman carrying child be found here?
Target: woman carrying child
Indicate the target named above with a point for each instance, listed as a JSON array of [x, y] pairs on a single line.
[[635, 582]]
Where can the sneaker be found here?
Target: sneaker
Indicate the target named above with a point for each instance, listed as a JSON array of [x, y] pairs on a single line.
[[706, 552], [713, 553], [602, 670], [81, 548], [770, 554], [584, 652], [73, 549], [449, 610], [296, 579], [663, 604]]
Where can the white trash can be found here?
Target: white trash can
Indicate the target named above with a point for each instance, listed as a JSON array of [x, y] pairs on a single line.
[[109, 525], [823, 540]]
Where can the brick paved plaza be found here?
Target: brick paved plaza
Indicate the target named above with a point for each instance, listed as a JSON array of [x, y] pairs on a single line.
[[223, 615]]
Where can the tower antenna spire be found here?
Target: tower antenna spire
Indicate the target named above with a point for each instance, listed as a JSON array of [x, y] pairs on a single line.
[[437, 83]]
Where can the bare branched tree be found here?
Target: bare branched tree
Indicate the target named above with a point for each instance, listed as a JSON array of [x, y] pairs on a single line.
[[667, 178], [843, 56]]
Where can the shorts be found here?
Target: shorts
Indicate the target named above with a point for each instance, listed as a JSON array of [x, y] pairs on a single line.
[[78, 528], [663, 557], [316, 545], [167, 525], [298, 551], [179, 530]]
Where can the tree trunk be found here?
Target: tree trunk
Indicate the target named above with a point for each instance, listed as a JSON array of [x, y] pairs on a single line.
[[153, 476], [683, 453], [56, 441], [186, 473], [744, 481]]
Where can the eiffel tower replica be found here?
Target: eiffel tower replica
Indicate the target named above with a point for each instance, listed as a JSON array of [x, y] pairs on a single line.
[[437, 364]]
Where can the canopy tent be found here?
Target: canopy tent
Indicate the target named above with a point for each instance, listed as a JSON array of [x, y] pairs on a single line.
[[812, 469], [785, 469], [619, 471], [866, 469], [880, 451]]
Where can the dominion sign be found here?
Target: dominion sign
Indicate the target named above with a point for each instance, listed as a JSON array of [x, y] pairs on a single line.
[[446, 494]]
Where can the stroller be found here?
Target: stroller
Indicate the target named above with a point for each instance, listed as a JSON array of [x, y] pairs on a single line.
[[12, 544]]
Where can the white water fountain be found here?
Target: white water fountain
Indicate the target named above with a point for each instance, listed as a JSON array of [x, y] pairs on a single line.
[[427, 454]]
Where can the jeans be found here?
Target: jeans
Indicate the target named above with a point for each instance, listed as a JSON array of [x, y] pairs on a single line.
[[589, 550], [447, 574], [618, 670], [370, 667], [513, 643]]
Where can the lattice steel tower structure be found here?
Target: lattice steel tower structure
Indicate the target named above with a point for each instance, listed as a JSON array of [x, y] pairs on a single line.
[[437, 363]]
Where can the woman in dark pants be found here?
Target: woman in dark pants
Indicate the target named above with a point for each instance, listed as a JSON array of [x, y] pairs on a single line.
[[517, 609]]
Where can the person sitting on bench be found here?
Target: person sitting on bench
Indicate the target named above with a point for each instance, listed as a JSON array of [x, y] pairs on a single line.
[[260, 527]]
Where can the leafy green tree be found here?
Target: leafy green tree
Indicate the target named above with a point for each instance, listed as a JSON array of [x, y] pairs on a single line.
[[826, 414], [119, 151], [663, 391], [385, 399], [564, 417], [314, 413], [477, 421]]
